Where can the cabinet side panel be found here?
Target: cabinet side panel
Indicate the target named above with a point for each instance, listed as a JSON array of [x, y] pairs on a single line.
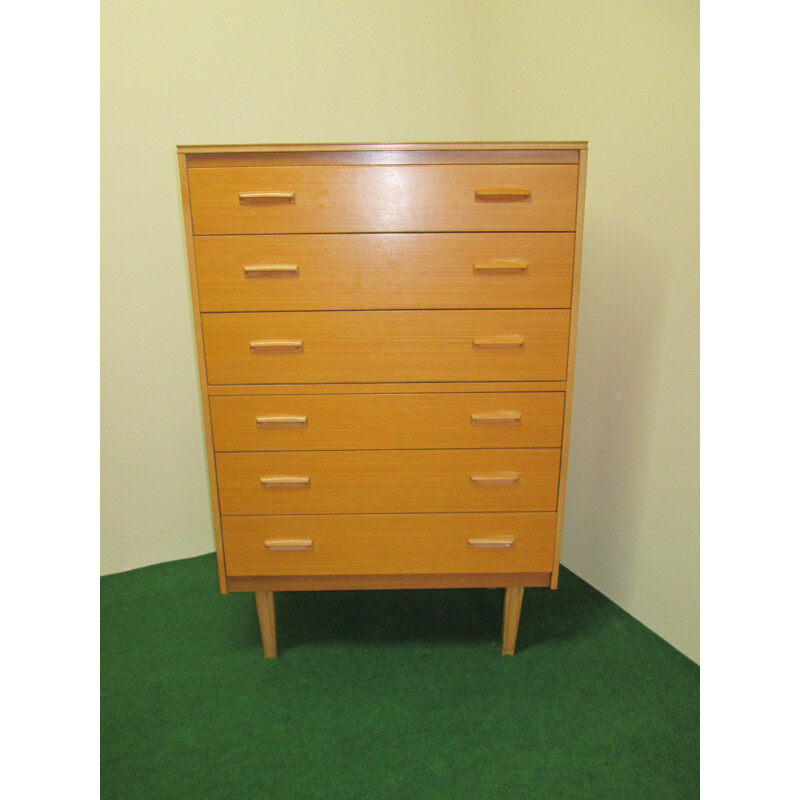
[[201, 365], [573, 332]]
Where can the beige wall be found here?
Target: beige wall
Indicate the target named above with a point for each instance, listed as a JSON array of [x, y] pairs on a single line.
[[621, 73]]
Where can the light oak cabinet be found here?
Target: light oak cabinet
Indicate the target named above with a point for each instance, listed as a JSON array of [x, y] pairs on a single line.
[[386, 342]]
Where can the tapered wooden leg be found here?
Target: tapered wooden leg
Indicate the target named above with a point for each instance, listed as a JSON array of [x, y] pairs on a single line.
[[511, 609], [265, 604]]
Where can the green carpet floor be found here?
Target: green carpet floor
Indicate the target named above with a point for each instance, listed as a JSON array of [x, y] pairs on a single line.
[[386, 695]]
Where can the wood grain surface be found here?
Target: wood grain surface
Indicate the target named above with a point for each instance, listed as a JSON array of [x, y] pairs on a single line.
[[302, 272], [385, 544], [409, 198], [390, 481], [386, 346], [387, 421]]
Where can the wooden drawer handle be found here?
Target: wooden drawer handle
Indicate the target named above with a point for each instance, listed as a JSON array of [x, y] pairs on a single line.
[[495, 478], [509, 266], [289, 544], [493, 541], [277, 346], [265, 198], [503, 194], [497, 418], [501, 341], [285, 481], [272, 271], [281, 421]]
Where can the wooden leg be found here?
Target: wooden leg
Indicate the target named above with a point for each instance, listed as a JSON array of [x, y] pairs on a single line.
[[265, 604], [511, 609]]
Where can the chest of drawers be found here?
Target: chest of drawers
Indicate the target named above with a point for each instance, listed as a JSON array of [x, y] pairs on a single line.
[[386, 342]]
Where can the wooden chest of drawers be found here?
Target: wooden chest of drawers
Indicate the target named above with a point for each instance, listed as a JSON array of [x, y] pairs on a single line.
[[386, 342]]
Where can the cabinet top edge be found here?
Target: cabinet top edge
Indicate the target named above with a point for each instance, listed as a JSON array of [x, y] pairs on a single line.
[[340, 147]]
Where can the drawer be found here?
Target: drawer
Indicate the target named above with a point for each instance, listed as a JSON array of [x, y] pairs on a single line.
[[343, 199], [390, 481], [389, 544], [387, 421], [299, 272], [380, 346]]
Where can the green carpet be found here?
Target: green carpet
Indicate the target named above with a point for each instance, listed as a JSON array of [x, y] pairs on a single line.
[[386, 695]]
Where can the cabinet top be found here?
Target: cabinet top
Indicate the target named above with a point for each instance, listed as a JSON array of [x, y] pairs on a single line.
[[338, 147]]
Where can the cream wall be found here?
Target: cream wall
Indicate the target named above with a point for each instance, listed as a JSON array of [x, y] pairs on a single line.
[[622, 74]]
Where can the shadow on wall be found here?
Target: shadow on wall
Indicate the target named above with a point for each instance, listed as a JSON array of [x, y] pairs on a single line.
[[623, 297]]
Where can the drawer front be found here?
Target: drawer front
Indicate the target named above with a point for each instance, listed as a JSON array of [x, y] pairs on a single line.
[[386, 346], [343, 199], [350, 271], [389, 481], [387, 421], [384, 544]]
